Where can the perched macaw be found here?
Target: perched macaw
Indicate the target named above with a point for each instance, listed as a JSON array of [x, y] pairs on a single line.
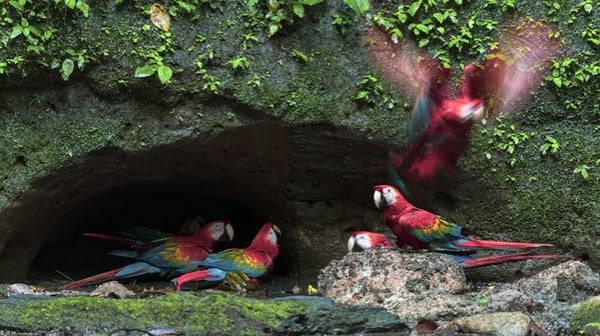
[[177, 254], [143, 238], [420, 229], [439, 125], [254, 261], [364, 240]]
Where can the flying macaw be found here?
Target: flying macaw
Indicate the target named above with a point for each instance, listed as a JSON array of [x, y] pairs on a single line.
[[439, 125], [420, 229], [254, 261], [143, 238], [177, 254]]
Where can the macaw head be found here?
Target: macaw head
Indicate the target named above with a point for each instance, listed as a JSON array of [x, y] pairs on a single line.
[[364, 240], [266, 239], [267, 235], [463, 110], [220, 231], [385, 195]]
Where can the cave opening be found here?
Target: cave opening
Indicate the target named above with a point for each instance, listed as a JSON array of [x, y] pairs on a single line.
[[161, 207], [302, 179]]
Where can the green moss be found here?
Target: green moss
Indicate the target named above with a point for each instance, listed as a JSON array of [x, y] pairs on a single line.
[[586, 318], [217, 313]]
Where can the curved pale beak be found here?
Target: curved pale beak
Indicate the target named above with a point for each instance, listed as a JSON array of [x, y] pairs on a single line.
[[351, 242], [478, 113], [377, 199], [229, 231], [277, 229]]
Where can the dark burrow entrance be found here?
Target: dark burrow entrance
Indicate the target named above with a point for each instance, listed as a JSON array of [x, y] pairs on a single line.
[[313, 182], [161, 207]]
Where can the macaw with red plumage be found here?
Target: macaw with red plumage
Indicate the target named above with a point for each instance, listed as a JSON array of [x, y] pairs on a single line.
[[177, 254], [143, 238], [420, 229], [439, 125], [254, 261], [364, 240]]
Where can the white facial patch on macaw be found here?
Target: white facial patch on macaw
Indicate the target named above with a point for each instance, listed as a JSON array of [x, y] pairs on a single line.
[[389, 195], [216, 230], [272, 236], [364, 241]]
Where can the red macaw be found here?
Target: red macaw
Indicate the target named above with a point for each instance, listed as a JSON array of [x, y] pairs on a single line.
[[177, 254], [254, 261], [420, 229], [143, 237], [364, 240], [439, 125]]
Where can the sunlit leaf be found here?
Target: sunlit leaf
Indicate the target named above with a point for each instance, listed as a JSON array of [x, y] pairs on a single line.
[[164, 74], [66, 68], [145, 71]]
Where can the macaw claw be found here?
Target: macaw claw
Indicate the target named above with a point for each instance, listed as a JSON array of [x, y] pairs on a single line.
[[236, 280]]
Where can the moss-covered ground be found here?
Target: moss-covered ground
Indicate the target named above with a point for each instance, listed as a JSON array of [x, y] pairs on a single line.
[[185, 313]]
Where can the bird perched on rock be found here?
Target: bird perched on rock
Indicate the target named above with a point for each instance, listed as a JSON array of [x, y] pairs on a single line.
[[177, 254], [420, 229], [254, 261], [364, 240], [440, 123]]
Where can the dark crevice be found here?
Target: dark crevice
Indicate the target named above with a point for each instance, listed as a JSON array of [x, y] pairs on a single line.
[[302, 178]]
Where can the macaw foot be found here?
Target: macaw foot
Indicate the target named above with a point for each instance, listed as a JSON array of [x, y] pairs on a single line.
[[236, 280]]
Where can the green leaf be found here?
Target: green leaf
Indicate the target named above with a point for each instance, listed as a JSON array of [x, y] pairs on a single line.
[[70, 3], [458, 2], [588, 8], [423, 42], [66, 69], [557, 81], [298, 10], [439, 17], [145, 70], [273, 28], [413, 8], [310, 2], [359, 6], [83, 7], [17, 30], [164, 74]]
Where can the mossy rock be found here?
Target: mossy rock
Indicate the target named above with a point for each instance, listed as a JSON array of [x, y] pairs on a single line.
[[586, 319], [213, 313]]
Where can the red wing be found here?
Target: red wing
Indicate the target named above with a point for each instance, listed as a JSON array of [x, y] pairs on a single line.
[[507, 74]]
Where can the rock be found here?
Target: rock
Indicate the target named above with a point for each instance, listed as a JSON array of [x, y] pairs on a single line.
[[498, 324], [507, 300], [112, 289], [548, 297], [371, 277], [341, 319], [586, 318], [570, 282], [412, 285], [214, 313]]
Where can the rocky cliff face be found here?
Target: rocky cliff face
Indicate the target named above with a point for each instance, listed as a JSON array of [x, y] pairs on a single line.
[[249, 127]]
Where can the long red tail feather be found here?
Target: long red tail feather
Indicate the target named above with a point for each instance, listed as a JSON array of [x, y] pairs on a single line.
[[191, 276], [117, 239], [98, 277], [493, 244], [498, 259]]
